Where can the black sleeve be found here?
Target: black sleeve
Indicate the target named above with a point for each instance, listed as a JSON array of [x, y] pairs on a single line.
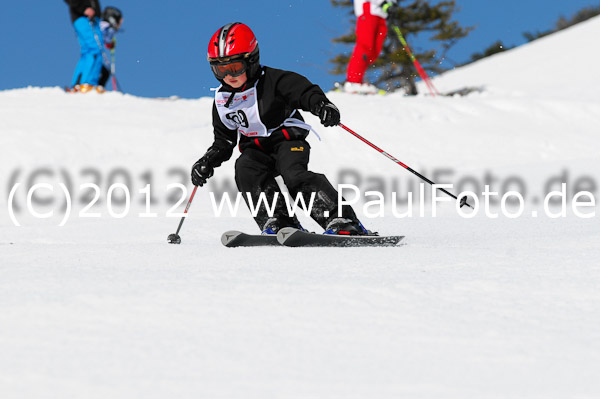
[[225, 141], [78, 6], [298, 91]]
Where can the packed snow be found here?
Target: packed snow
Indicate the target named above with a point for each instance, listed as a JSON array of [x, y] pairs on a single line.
[[481, 307]]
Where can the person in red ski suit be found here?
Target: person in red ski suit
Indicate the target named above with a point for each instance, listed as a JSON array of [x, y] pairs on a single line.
[[371, 31]]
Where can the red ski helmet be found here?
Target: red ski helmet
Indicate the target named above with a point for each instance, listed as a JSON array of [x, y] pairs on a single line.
[[233, 50]]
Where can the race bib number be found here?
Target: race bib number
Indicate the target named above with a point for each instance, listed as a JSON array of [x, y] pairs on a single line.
[[242, 114]]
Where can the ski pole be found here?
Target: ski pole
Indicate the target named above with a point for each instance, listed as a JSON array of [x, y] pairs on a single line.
[[174, 238], [116, 82], [417, 64], [104, 57], [463, 201], [113, 65]]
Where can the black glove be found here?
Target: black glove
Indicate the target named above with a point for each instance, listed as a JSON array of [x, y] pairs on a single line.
[[201, 172], [327, 112]]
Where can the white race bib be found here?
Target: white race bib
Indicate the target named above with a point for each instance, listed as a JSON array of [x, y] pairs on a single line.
[[242, 114]]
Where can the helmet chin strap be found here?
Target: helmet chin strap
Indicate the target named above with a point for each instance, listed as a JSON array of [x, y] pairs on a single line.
[[230, 99], [233, 92]]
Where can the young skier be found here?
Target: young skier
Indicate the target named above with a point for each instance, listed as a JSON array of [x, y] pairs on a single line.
[[112, 18], [261, 105], [85, 15], [371, 31]]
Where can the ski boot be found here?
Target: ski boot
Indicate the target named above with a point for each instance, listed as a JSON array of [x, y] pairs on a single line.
[[348, 227], [273, 225], [84, 88], [73, 89]]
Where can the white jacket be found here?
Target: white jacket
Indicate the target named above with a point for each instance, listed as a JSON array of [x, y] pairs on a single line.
[[376, 7]]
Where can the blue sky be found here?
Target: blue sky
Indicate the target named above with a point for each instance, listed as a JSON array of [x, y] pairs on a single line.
[[163, 49]]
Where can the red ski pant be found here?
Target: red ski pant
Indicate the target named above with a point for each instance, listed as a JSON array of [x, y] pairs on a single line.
[[371, 31]]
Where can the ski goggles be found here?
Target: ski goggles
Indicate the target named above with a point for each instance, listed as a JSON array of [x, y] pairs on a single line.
[[232, 68]]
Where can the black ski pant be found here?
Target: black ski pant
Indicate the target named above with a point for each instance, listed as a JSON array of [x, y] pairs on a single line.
[[104, 75], [255, 172]]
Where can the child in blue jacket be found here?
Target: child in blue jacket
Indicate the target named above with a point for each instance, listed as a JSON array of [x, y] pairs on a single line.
[[85, 16]]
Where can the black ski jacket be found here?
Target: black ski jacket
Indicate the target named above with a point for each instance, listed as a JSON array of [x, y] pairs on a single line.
[[77, 7], [279, 94]]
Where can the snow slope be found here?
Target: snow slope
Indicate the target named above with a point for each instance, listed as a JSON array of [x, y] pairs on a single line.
[[468, 308], [563, 65]]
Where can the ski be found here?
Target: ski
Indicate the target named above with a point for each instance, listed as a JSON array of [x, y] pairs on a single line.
[[234, 238], [291, 237]]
